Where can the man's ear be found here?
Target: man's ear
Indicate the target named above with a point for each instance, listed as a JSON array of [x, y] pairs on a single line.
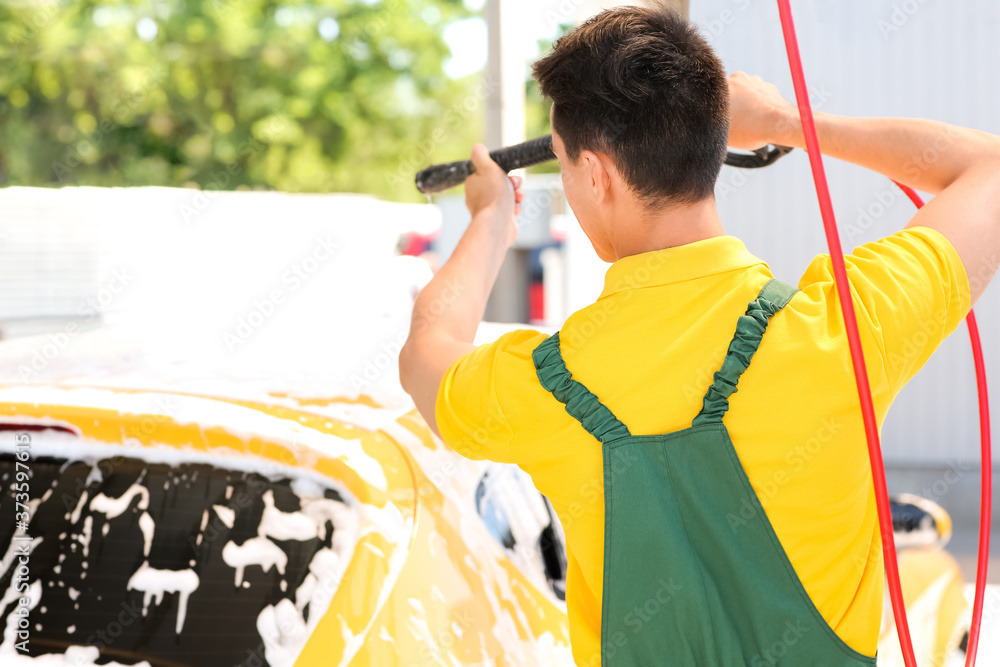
[[596, 171]]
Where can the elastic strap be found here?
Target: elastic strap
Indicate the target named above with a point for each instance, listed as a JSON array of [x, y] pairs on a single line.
[[749, 331], [595, 417]]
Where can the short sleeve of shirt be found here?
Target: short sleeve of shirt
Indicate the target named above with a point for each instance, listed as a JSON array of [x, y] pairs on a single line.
[[470, 402], [913, 291]]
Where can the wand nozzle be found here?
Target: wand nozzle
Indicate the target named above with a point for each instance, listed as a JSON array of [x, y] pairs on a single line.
[[441, 177]]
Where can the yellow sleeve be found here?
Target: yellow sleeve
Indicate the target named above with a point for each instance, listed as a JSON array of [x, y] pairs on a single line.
[[469, 408], [913, 292]]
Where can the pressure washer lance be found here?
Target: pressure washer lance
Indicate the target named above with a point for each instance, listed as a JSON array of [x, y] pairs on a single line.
[[440, 177]]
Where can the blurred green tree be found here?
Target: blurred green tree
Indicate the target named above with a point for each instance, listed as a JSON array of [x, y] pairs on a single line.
[[301, 96], [537, 108]]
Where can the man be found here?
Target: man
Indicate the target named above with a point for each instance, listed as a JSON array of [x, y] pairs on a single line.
[[642, 113]]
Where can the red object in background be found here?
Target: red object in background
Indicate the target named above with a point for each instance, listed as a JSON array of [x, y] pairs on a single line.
[[416, 244], [536, 302]]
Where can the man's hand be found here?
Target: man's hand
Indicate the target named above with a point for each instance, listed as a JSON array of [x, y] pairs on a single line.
[[759, 113], [490, 193], [448, 310]]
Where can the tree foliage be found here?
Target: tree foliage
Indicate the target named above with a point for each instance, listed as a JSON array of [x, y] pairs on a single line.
[[317, 96]]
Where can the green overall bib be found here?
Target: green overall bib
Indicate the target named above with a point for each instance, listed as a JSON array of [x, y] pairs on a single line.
[[689, 579]]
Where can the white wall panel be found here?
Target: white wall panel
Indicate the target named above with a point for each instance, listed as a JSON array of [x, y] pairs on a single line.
[[918, 58]]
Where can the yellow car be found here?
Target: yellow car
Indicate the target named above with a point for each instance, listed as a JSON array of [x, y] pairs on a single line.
[[169, 528]]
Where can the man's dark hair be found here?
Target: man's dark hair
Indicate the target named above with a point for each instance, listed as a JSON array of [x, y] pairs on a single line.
[[642, 86]]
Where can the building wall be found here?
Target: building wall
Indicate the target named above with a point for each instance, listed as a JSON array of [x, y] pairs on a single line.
[[868, 58]]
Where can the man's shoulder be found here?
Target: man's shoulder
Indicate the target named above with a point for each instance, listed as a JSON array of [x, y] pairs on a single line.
[[500, 348], [906, 249]]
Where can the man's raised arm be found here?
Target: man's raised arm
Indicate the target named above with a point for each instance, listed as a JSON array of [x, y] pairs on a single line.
[[450, 307], [961, 167]]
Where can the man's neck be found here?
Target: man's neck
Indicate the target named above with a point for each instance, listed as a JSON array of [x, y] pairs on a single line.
[[670, 227]]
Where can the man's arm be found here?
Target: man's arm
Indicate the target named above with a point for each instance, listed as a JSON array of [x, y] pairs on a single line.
[[961, 167], [449, 309]]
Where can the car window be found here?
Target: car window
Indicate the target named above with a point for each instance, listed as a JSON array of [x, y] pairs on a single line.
[[523, 523]]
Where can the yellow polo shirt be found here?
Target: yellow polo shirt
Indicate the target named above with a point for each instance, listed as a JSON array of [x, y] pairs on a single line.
[[648, 349]]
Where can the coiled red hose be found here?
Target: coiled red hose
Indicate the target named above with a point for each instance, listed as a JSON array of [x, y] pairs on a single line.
[[987, 477], [861, 376]]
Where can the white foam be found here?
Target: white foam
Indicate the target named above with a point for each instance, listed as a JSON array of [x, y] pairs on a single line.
[[284, 525], [344, 520], [113, 507], [283, 632], [255, 551], [58, 445], [154, 583], [147, 526], [87, 533], [75, 516], [225, 514], [241, 421]]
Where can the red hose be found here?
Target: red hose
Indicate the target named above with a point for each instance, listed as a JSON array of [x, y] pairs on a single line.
[[861, 375], [983, 561]]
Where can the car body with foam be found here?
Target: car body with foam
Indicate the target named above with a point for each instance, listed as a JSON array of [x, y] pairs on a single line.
[[321, 541], [226, 471]]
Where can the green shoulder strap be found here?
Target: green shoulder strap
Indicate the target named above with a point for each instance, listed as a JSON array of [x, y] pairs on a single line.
[[595, 417], [749, 332]]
